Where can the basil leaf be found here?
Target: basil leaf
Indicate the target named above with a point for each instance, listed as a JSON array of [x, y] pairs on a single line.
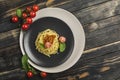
[[42, 45], [62, 47], [25, 62], [19, 12]]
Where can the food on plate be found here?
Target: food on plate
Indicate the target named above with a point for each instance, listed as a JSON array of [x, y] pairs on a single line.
[[48, 42], [62, 39], [62, 47]]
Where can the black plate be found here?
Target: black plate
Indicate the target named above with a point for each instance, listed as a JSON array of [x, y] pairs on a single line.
[[48, 23]]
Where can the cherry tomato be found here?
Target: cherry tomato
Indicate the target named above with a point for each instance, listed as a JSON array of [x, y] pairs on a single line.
[[35, 7], [24, 15], [29, 74], [43, 74], [29, 20], [25, 26], [28, 9], [14, 19], [62, 39], [48, 45], [32, 14]]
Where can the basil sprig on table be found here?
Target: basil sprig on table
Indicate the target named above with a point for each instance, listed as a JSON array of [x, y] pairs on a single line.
[[26, 66]]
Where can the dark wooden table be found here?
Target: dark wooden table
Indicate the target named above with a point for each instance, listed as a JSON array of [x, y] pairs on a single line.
[[101, 23]]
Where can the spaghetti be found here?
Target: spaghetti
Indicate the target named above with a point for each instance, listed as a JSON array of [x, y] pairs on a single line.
[[50, 36]]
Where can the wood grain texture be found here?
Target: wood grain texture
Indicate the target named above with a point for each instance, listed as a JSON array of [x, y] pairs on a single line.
[[75, 5], [9, 38], [10, 58], [95, 29], [93, 68], [18, 74], [98, 12], [101, 58], [103, 36]]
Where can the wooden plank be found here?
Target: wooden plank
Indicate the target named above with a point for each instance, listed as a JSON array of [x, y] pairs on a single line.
[[91, 59], [98, 12], [7, 25], [6, 15], [6, 5], [118, 78], [10, 58], [20, 4], [75, 5], [102, 50], [98, 68], [10, 9], [102, 26], [9, 38], [114, 20], [103, 36], [16, 74]]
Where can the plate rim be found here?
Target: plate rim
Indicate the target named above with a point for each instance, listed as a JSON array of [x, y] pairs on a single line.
[[77, 52]]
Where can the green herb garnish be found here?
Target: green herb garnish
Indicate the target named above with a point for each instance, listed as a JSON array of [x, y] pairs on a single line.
[[26, 66], [25, 62], [62, 47], [42, 45]]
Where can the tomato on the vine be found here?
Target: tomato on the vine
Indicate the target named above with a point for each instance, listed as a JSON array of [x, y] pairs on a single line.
[[25, 26], [29, 20], [35, 7], [29, 74], [43, 74], [32, 14], [24, 15], [14, 19], [28, 9]]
